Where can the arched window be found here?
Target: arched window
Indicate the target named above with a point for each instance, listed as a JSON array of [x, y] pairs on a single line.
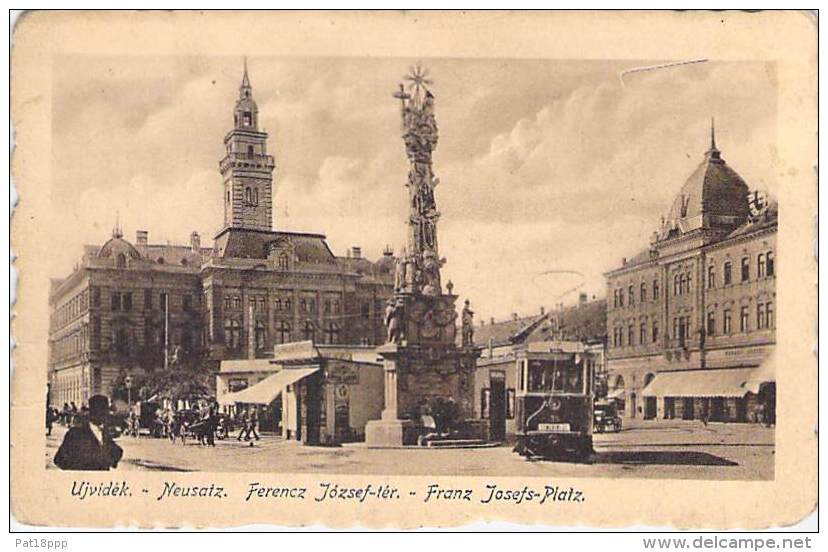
[[676, 284], [308, 331], [255, 196], [248, 195], [283, 261]]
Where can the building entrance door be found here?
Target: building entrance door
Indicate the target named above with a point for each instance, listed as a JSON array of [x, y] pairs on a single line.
[[313, 408], [497, 407]]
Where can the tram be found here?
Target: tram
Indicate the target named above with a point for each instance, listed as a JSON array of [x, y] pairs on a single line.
[[555, 399]]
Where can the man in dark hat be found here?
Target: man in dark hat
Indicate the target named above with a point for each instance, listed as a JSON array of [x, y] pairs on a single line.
[[88, 446]]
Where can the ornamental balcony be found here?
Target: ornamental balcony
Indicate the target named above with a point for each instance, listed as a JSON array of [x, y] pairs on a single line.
[[243, 160]]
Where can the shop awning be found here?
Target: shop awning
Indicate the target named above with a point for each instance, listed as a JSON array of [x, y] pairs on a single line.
[[701, 383], [268, 389], [766, 373], [616, 393]]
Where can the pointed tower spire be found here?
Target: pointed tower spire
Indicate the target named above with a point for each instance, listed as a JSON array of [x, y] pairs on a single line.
[[245, 90], [116, 230], [713, 151]]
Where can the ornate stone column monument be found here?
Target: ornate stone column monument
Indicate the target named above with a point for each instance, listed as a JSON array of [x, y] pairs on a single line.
[[423, 363]]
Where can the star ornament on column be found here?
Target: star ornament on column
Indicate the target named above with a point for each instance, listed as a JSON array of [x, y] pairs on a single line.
[[418, 80]]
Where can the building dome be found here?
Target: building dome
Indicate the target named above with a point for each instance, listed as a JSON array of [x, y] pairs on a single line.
[[116, 246], [714, 196]]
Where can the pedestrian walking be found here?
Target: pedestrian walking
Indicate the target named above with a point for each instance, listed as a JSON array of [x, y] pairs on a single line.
[[245, 426], [254, 421]]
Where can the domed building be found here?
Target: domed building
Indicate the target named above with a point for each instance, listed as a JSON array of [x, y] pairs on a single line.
[[690, 319]]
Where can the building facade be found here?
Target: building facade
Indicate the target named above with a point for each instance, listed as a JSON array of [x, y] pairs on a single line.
[[690, 320], [136, 308]]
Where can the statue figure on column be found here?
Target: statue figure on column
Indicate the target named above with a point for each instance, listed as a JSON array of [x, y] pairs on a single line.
[[467, 322], [394, 321]]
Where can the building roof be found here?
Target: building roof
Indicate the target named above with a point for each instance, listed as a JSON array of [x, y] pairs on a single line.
[[713, 196], [585, 322], [248, 243], [506, 332]]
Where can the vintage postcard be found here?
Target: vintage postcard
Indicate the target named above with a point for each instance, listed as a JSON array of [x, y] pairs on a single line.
[[414, 269]]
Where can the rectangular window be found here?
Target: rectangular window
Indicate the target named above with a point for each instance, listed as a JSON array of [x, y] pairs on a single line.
[[127, 301], [116, 301], [642, 333], [655, 290], [760, 265], [630, 335], [615, 298], [621, 298], [642, 292], [711, 277], [726, 322], [228, 302], [745, 269], [655, 331], [711, 323], [147, 299], [760, 316], [743, 319], [769, 322], [728, 273], [769, 259], [484, 403], [510, 404], [631, 292]]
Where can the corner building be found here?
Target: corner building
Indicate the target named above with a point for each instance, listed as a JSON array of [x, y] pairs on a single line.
[[691, 319], [126, 307]]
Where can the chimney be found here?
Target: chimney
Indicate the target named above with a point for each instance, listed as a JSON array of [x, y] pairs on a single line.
[[195, 242], [542, 310], [141, 237], [388, 251], [356, 252], [514, 316], [582, 299]]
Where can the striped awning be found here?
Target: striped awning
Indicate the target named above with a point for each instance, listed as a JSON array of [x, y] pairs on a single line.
[[701, 383]]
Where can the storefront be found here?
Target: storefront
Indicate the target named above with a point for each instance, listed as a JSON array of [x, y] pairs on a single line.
[[319, 394], [744, 394]]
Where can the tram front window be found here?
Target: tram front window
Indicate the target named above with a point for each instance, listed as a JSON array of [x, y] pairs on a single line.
[[547, 376]]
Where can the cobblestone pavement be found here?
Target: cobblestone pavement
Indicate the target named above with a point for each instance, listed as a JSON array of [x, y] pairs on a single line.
[[645, 449]]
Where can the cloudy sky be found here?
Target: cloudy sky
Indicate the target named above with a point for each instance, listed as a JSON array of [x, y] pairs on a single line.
[[546, 166]]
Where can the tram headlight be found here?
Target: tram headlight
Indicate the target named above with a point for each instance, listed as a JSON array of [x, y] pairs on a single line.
[[555, 404]]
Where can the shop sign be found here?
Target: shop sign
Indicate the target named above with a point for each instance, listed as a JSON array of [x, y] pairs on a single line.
[[342, 374]]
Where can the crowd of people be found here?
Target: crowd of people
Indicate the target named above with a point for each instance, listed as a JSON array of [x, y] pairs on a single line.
[[89, 443]]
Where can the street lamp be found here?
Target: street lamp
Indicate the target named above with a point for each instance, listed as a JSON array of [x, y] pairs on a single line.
[[128, 385]]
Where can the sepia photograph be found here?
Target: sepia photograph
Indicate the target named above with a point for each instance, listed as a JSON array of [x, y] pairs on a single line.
[[429, 264]]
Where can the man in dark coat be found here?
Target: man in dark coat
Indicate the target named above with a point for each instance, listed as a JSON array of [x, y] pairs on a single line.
[[88, 446]]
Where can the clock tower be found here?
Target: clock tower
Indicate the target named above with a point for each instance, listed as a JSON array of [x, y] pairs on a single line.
[[247, 169]]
